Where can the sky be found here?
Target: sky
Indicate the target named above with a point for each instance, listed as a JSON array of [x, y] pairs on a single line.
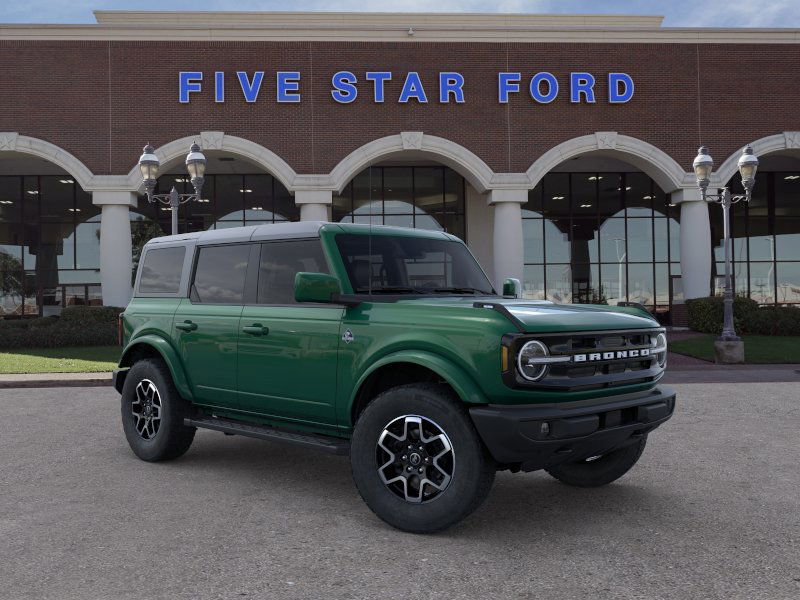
[[678, 13]]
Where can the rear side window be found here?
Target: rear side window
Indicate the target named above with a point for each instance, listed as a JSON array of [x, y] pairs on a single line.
[[280, 262], [220, 274], [161, 271]]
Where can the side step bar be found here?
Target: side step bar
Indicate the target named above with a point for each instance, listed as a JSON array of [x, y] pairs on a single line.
[[329, 444]]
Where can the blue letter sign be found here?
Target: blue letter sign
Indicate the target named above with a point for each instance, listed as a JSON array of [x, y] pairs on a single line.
[[250, 90], [344, 89], [506, 83], [188, 81], [288, 86], [615, 80], [451, 83], [412, 88], [536, 88]]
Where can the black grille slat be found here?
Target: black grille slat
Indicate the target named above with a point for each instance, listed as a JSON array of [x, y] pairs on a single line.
[[603, 373]]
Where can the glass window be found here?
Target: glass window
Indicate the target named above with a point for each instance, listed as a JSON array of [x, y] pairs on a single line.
[[612, 240], [87, 245], [398, 194], [640, 240], [57, 198], [557, 244], [788, 282], [533, 284], [584, 193], [220, 274], [640, 284], [762, 282], [614, 282], [161, 271], [638, 195], [229, 196], [281, 262], [610, 197], [559, 283], [533, 235], [10, 199], [555, 202], [397, 264]]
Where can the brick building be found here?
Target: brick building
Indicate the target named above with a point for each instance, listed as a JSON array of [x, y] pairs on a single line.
[[558, 147]]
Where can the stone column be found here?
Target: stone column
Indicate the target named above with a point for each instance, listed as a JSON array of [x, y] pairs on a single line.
[[695, 243], [116, 262], [315, 205], [507, 244]]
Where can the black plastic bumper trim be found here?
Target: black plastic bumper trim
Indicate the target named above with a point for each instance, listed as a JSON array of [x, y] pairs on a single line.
[[539, 436], [118, 378]]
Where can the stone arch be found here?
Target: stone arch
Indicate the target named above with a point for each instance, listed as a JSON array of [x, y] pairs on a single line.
[[444, 151], [656, 163], [11, 141], [218, 140], [781, 142]]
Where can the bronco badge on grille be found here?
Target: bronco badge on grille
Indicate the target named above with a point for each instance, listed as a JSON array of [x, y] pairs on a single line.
[[618, 354]]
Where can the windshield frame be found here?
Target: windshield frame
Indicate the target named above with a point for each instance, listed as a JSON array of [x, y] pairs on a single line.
[[474, 273]]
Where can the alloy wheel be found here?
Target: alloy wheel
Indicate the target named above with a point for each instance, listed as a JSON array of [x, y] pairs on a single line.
[[146, 409], [415, 458]]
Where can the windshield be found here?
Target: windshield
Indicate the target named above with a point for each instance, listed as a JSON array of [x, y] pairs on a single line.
[[388, 264]]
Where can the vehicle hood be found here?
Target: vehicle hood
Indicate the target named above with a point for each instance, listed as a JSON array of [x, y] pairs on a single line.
[[545, 317]]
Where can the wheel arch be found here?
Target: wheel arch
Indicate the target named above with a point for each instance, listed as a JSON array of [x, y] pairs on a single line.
[[152, 346], [407, 367]]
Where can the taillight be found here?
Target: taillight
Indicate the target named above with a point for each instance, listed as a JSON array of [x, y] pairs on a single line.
[[119, 329]]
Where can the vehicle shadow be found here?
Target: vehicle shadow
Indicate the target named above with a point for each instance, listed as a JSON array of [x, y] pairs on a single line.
[[518, 505]]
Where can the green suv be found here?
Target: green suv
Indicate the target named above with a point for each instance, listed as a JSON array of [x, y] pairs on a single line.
[[390, 345]]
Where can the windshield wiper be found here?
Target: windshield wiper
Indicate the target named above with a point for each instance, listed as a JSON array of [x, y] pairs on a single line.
[[462, 290], [389, 290]]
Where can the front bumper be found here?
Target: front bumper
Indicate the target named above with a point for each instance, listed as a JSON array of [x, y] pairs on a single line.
[[533, 437]]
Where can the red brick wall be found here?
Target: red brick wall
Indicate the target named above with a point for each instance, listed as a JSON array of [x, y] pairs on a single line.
[[102, 101]]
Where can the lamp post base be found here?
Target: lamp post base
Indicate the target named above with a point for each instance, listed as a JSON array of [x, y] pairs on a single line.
[[729, 352]]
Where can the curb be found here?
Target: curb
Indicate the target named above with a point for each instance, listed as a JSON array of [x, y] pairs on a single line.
[[57, 380]]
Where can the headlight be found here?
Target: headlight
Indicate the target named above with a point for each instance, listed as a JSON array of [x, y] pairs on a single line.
[[659, 350], [530, 360]]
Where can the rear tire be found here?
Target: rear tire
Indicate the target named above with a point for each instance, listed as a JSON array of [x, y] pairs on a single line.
[[417, 460], [153, 413], [599, 471]]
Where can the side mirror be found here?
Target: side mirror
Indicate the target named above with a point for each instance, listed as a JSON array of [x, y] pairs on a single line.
[[512, 287], [316, 287]]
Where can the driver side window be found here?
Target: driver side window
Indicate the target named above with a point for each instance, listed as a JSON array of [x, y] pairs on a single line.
[[280, 262]]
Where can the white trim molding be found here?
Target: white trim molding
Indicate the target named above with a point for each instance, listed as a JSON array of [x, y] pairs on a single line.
[[788, 140], [656, 163], [11, 141], [442, 150], [218, 140]]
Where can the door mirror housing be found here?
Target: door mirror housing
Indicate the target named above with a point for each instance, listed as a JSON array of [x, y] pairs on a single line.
[[512, 287], [316, 287]]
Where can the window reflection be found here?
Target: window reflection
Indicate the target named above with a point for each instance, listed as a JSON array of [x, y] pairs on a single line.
[[601, 238], [422, 197]]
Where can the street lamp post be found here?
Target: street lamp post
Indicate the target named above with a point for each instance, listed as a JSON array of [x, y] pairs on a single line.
[[703, 165], [195, 164]]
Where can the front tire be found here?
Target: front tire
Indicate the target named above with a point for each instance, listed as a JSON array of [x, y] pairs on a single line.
[[417, 460], [599, 470], [153, 413]]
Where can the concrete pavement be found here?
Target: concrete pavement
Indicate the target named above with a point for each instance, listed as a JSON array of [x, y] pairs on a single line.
[[711, 511]]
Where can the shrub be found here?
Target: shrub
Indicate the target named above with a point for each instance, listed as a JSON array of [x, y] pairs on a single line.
[[706, 315], [77, 326]]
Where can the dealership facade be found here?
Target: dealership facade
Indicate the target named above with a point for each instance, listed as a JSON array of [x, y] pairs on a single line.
[[558, 147]]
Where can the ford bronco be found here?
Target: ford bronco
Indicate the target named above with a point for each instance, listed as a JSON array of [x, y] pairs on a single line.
[[389, 345]]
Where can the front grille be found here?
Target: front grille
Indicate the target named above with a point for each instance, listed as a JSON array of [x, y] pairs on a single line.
[[597, 359]]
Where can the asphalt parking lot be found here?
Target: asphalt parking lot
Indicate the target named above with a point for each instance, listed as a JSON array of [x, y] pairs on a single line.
[[711, 511]]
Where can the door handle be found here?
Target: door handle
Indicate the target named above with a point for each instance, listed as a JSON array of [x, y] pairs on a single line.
[[186, 326], [256, 329]]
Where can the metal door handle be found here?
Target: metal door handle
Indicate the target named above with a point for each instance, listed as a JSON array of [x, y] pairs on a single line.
[[186, 326], [256, 329]]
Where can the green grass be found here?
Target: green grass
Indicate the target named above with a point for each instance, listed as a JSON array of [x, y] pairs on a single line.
[[758, 349], [92, 359]]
